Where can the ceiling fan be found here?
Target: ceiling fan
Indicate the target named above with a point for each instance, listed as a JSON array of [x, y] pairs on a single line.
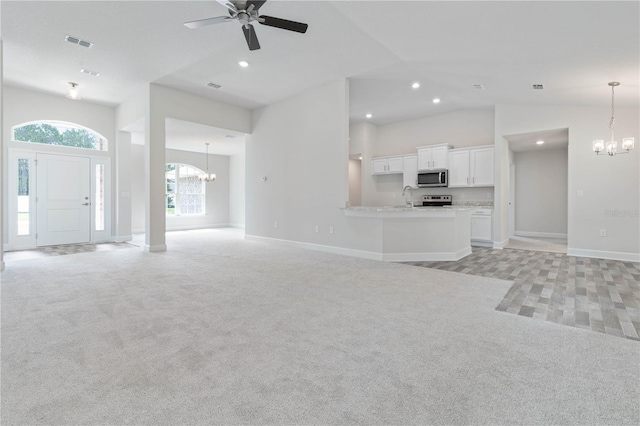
[[246, 11]]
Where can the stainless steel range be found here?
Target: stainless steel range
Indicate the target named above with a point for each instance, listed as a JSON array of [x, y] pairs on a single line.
[[436, 200]]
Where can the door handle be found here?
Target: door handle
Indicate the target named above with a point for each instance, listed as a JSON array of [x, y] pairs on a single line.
[[86, 204]]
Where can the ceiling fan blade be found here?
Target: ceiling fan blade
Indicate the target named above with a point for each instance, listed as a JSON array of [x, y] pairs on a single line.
[[257, 4], [228, 5], [250, 35], [209, 21], [285, 24]]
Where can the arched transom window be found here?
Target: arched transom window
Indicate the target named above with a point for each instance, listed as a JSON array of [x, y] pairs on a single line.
[[59, 133], [185, 193]]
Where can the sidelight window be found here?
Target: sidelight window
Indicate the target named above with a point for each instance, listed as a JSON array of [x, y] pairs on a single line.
[[23, 196]]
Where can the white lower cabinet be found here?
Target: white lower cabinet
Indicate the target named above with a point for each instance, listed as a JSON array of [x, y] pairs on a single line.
[[481, 227]]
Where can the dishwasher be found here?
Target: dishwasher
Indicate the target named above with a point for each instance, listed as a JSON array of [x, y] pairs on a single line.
[[481, 227]]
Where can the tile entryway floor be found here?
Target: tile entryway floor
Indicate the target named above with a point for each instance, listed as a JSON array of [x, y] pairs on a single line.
[[62, 250], [592, 294]]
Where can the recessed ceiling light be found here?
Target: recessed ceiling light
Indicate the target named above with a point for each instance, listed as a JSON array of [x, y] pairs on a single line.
[[360, 158], [415, 85], [92, 73], [243, 64], [368, 115], [436, 100], [539, 142], [213, 85]]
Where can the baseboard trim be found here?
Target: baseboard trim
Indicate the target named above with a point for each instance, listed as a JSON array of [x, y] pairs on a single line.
[[236, 225], [5, 247], [482, 243], [500, 244], [2, 265], [362, 254], [194, 227], [122, 238], [138, 231], [609, 255], [539, 234], [155, 248]]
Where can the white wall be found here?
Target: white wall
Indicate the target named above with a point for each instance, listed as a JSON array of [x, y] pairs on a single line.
[[301, 146], [137, 188], [541, 193], [362, 141], [462, 129], [607, 183], [237, 191], [21, 106], [217, 192], [355, 182]]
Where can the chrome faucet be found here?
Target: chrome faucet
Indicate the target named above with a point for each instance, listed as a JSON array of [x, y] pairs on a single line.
[[410, 201]]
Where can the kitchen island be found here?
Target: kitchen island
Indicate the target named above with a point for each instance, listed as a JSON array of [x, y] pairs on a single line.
[[404, 234]]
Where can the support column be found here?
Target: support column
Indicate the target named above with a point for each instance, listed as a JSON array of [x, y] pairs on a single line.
[[123, 187], [2, 225], [154, 165]]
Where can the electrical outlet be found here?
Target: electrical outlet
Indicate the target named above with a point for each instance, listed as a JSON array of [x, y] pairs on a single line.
[[603, 232], [275, 224], [331, 229], [316, 228]]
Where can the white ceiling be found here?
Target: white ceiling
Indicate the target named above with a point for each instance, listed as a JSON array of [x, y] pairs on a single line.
[[553, 139], [574, 48], [187, 136]]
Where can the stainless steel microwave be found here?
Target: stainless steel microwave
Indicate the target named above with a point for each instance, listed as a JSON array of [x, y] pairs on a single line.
[[433, 178]]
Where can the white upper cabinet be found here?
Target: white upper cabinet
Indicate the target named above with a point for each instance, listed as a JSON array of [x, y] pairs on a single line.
[[471, 167], [459, 167], [481, 169], [395, 165], [410, 170], [386, 165], [433, 157]]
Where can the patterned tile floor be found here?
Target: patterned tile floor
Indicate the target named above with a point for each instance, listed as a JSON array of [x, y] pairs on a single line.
[[62, 250], [592, 294]]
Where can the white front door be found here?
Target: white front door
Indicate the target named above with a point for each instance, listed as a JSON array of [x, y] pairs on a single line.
[[63, 199]]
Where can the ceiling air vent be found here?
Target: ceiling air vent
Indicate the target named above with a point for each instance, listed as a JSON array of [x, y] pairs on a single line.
[[213, 85], [78, 41], [91, 73], [537, 86], [478, 86]]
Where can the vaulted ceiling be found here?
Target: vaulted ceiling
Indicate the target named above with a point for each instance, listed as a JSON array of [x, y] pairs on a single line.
[[573, 48]]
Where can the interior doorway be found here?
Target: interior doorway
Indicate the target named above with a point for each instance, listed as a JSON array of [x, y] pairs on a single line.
[[538, 190]]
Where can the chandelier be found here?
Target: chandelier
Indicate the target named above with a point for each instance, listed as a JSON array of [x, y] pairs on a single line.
[[206, 176], [611, 146]]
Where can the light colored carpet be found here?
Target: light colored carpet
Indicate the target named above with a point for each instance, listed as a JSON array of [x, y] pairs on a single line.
[[219, 330], [553, 245]]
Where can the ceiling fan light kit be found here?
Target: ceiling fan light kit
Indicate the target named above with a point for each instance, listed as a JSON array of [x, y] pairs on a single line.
[[246, 12]]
